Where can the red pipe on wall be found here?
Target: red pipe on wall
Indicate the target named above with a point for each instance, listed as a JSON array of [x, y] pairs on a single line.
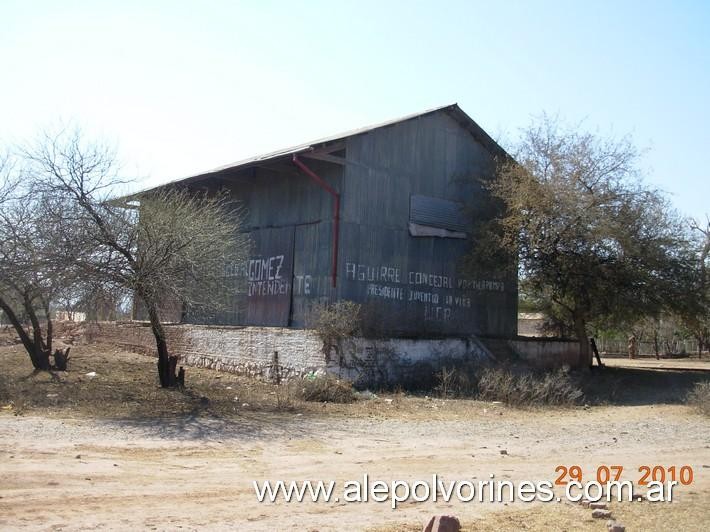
[[336, 210]]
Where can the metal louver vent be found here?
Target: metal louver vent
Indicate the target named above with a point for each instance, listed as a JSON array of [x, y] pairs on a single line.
[[435, 212]]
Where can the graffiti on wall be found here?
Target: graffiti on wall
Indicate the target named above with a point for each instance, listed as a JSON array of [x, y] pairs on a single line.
[[265, 276], [302, 285], [269, 276], [439, 295]]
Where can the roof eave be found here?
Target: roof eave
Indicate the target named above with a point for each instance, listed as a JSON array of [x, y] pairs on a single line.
[[452, 110]]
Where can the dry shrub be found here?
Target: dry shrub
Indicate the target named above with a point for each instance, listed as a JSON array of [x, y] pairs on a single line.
[[446, 379], [285, 397], [535, 389], [512, 386], [457, 377], [335, 323], [699, 398], [325, 389]]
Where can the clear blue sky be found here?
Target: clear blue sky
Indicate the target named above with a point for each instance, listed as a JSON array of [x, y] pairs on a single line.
[[187, 86]]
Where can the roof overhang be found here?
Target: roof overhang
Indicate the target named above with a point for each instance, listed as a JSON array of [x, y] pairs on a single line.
[[322, 148]]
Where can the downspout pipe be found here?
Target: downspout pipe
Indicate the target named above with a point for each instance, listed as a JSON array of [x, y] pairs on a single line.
[[336, 210]]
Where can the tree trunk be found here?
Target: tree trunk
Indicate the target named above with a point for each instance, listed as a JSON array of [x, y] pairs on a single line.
[[61, 359], [50, 326], [38, 356], [50, 334], [24, 337], [40, 359], [166, 363], [585, 352]]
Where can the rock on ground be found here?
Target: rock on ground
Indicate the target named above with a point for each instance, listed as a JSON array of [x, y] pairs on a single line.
[[443, 523]]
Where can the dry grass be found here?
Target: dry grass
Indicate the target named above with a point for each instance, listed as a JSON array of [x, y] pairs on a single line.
[[529, 389], [699, 398], [324, 389], [126, 386], [514, 386]]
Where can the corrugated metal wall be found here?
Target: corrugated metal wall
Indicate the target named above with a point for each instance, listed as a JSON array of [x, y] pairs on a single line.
[[289, 220], [408, 285], [414, 284]]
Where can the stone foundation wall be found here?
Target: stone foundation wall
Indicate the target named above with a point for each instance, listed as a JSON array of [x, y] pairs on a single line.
[[250, 351], [411, 363], [243, 350]]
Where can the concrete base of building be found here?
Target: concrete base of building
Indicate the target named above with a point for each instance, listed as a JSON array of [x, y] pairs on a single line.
[[264, 352]]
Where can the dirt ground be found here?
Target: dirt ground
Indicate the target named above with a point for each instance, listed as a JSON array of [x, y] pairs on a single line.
[[690, 363], [115, 451]]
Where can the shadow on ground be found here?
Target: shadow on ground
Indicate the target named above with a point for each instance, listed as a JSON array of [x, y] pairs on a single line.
[[640, 386], [209, 427]]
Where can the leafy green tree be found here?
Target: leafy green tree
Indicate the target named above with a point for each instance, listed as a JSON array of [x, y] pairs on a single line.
[[695, 311], [592, 242]]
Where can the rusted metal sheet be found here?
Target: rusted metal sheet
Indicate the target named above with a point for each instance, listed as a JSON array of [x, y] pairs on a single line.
[[269, 275]]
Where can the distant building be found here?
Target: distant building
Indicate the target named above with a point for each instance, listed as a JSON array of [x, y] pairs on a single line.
[[375, 216], [532, 324], [66, 315]]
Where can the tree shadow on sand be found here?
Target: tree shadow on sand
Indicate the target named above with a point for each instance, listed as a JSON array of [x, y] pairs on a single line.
[[640, 386], [249, 426]]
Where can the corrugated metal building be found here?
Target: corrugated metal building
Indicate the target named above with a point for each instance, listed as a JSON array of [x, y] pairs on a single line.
[[373, 216]]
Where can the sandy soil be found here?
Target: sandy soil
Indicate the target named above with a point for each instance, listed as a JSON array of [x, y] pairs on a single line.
[[114, 451], [194, 472]]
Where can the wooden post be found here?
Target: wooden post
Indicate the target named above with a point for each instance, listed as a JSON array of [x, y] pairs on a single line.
[[593, 345], [275, 368]]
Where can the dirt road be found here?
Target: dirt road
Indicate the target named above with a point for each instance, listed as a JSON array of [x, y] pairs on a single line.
[[196, 473]]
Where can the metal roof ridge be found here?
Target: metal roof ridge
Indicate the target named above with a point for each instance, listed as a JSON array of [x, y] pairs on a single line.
[[474, 129]]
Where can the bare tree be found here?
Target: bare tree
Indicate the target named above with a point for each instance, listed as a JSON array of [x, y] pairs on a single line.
[[593, 242], [30, 274], [96, 300], [166, 245], [9, 180]]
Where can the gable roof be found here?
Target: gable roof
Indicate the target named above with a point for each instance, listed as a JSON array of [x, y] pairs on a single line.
[[453, 110]]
